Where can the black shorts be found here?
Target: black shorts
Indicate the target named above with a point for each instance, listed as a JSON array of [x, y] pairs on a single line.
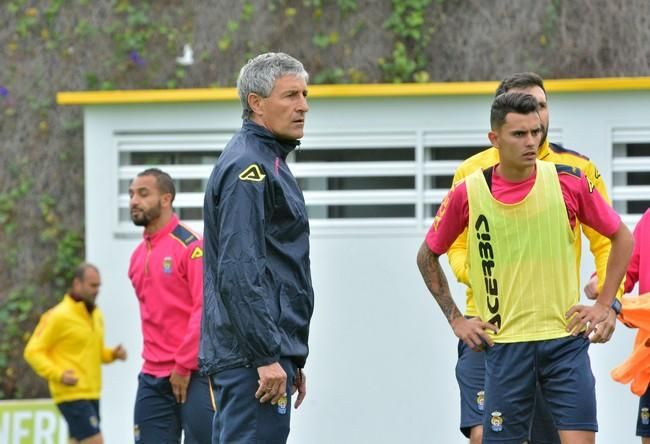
[[82, 417], [470, 374], [562, 369], [643, 418]]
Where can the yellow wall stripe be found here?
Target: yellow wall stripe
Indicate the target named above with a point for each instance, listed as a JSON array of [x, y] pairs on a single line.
[[343, 91]]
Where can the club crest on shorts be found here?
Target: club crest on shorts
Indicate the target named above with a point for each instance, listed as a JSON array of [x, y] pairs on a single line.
[[167, 265], [480, 400], [94, 422], [282, 405], [645, 416], [496, 421]]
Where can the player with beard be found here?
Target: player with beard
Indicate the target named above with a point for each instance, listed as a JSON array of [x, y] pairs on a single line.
[[166, 271], [67, 349]]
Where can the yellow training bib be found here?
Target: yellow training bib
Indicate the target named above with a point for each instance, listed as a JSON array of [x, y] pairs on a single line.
[[522, 260]]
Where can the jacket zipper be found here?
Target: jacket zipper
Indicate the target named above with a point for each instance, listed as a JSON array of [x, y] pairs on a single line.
[[146, 259]]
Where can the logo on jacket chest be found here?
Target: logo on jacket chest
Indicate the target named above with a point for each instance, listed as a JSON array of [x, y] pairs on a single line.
[[167, 265]]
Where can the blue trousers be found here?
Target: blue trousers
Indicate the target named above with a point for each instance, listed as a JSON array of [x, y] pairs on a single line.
[[241, 418], [159, 419]]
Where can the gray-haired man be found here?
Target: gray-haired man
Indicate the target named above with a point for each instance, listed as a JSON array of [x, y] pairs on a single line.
[[258, 297]]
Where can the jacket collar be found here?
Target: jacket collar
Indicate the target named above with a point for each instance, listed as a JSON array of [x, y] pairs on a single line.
[[280, 147], [79, 307], [164, 231], [543, 150]]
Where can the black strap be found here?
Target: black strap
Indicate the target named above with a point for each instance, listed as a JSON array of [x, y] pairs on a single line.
[[487, 173]]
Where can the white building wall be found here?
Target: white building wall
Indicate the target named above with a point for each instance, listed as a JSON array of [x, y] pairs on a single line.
[[381, 368]]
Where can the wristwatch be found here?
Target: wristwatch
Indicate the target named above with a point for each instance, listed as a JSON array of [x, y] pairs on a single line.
[[616, 306]]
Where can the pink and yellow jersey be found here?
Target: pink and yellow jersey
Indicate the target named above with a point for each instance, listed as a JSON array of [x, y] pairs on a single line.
[[565, 196], [639, 268], [166, 271], [599, 245], [636, 312]]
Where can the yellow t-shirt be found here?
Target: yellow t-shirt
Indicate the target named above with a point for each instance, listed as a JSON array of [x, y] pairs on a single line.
[[68, 337], [598, 244], [521, 259]]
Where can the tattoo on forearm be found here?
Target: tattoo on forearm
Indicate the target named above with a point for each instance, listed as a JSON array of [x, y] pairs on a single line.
[[436, 282]]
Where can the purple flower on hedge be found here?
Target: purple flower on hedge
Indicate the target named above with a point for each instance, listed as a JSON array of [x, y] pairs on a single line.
[[4, 92], [136, 58]]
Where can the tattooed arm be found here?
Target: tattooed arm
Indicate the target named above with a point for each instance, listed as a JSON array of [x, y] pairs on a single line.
[[470, 331]]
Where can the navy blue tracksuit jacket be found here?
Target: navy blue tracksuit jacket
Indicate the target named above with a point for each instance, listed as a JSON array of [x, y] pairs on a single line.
[[258, 297]]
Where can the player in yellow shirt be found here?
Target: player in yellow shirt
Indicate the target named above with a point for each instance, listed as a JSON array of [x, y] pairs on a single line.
[[67, 349], [470, 368]]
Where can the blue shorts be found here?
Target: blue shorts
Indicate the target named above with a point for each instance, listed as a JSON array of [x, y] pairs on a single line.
[[643, 418], [470, 374], [82, 417], [542, 429], [241, 418], [562, 369], [159, 419]]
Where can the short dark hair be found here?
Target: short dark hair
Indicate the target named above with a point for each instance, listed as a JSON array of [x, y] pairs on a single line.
[[512, 102], [163, 180], [80, 271], [520, 80]]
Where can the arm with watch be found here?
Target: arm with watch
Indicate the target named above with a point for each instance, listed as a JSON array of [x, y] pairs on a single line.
[[591, 291], [633, 274], [597, 321], [616, 306]]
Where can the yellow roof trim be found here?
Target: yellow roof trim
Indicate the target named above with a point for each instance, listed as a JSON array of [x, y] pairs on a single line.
[[146, 96], [342, 91]]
